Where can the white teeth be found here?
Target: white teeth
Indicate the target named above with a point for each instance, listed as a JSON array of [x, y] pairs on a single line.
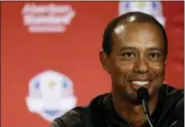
[[140, 83]]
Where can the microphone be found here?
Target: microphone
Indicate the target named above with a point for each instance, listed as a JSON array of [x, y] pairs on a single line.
[[143, 96]]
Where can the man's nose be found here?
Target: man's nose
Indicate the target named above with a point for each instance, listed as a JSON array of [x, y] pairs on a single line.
[[141, 66]]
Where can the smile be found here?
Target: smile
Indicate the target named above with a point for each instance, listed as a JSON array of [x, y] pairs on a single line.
[[140, 83]]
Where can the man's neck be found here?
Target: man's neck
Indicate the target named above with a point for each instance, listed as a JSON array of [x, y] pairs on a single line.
[[132, 113]]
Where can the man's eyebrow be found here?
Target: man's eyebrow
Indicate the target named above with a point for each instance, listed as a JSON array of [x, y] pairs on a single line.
[[128, 48], [155, 48], [134, 48]]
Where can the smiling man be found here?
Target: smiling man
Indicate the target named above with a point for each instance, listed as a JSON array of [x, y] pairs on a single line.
[[134, 55]]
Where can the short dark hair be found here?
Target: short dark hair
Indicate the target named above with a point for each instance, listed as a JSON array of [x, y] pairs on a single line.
[[140, 17]]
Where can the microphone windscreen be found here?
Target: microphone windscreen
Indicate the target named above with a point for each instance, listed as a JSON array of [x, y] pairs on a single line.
[[142, 93]]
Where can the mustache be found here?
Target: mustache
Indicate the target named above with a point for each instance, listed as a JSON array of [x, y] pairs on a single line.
[[134, 76]]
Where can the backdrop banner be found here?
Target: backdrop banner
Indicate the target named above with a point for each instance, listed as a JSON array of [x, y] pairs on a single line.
[[50, 55]]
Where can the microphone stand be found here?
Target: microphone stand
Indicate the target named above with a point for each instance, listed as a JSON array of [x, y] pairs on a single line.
[[146, 111], [143, 96]]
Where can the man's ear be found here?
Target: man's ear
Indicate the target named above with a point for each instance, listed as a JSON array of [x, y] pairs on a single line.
[[165, 61], [104, 60]]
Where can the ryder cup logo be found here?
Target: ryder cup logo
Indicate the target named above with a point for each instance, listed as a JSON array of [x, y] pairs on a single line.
[[153, 8], [50, 95]]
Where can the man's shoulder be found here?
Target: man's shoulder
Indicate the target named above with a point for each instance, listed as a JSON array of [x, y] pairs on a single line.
[[174, 93], [178, 95], [173, 109], [72, 118], [78, 116], [175, 96]]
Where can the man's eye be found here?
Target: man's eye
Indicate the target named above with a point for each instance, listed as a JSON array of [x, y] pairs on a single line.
[[128, 55], [154, 56]]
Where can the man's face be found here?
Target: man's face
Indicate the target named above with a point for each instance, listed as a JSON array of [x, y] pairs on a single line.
[[136, 60]]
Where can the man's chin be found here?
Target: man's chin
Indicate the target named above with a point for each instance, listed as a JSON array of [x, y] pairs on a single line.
[[131, 99], [134, 101]]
